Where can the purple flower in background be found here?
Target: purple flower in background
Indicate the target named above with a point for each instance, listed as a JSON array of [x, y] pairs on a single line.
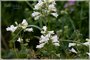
[[69, 3]]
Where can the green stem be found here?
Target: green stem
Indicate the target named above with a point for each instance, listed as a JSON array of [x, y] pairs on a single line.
[[17, 34], [71, 41], [29, 4], [15, 51], [35, 27], [40, 22]]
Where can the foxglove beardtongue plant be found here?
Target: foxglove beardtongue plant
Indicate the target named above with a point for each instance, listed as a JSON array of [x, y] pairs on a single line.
[[46, 7], [49, 40], [23, 25], [47, 35]]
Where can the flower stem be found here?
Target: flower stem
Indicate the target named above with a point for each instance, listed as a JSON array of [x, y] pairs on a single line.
[[35, 26]]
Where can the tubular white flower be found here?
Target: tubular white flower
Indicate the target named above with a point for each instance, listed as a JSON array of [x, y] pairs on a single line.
[[44, 28], [49, 33], [24, 24], [73, 50], [54, 38], [56, 44], [52, 7], [36, 15], [40, 46], [87, 43], [88, 54], [43, 32], [12, 28], [54, 14], [71, 44], [88, 40], [43, 39], [29, 29], [38, 5], [19, 39]]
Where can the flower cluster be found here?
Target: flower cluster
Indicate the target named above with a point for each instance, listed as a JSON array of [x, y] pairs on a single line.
[[44, 8], [87, 43], [23, 25], [47, 35]]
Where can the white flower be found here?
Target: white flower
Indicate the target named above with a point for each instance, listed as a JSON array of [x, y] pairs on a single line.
[[52, 7], [12, 28], [19, 39], [54, 38], [71, 44], [88, 54], [24, 24], [73, 50], [49, 33], [43, 32], [44, 28], [86, 43], [56, 44], [88, 40], [29, 29], [54, 14], [43, 39], [38, 5], [36, 15], [40, 46]]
